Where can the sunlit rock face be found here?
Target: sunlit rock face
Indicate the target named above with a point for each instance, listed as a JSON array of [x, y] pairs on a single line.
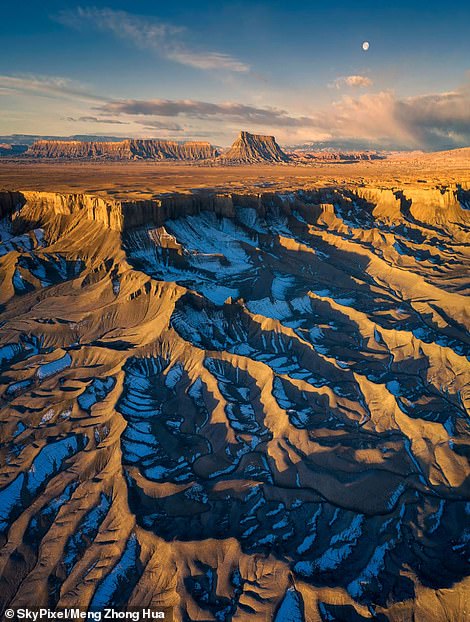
[[243, 407], [131, 149], [251, 148]]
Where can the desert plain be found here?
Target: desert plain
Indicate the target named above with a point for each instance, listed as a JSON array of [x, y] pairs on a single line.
[[144, 179]]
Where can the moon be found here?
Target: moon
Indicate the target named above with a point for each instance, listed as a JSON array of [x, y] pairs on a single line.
[[365, 46]]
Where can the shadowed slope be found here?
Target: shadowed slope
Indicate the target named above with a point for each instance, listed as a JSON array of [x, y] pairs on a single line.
[[245, 407]]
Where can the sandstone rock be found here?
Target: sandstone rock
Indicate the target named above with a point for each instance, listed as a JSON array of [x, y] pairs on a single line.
[[301, 156], [251, 148], [135, 149]]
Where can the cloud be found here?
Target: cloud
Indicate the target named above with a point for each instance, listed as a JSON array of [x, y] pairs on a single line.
[[380, 119], [440, 114], [162, 38], [370, 117], [232, 111], [373, 120], [351, 81], [163, 125], [46, 86], [95, 120], [434, 121]]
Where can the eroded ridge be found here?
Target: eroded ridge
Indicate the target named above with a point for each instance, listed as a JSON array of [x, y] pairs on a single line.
[[245, 407]]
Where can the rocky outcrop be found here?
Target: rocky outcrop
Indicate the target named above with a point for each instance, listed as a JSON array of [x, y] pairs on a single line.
[[135, 149], [442, 207], [114, 214], [252, 148], [168, 150], [248, 148], [302, 156]]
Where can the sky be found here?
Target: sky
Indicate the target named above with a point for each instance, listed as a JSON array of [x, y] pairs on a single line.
[[206, 70]]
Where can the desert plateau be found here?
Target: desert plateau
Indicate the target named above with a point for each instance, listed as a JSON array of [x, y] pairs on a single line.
[[234, 311], [236, 390]]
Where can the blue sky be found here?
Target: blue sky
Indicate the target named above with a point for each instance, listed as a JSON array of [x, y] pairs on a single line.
[[207, 69]]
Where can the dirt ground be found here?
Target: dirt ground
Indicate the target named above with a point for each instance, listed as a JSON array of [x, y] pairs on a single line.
[[148, 179]]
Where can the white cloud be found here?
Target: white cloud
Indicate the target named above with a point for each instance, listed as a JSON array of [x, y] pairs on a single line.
[[440, 120], [355, 81], [164, 39], [379, 120], [46, 86]]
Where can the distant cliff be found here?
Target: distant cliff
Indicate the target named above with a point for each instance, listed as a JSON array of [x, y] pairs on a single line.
[[251, 148], [304, 156], [149, 149], [247, 149]]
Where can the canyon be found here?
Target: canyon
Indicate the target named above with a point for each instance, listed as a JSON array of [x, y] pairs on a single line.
[[241, 398]]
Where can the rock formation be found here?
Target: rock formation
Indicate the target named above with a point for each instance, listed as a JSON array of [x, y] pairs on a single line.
[[247, 149], [244, 407], [306, 156], [252, 148], [133, 149]]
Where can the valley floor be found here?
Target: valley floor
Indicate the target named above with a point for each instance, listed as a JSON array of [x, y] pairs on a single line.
[[131, 180]]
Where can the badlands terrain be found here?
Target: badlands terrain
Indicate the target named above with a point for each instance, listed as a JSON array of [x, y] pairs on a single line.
[[240, 392]]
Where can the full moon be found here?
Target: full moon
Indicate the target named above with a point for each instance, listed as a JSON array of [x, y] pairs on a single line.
[[365, 46]]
